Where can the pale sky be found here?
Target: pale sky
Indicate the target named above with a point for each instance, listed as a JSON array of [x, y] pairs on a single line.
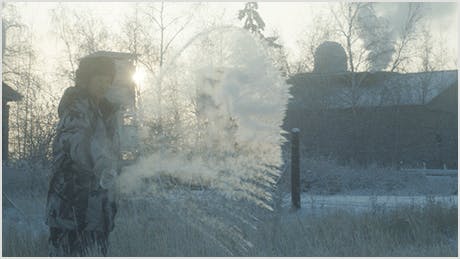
[[289, 19]]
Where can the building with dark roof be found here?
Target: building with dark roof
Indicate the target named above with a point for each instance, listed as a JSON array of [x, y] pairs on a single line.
[[390, 119], [8, 95]]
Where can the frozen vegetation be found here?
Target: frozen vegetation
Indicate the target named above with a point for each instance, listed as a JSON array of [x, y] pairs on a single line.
[[322, 176], [170, 224]]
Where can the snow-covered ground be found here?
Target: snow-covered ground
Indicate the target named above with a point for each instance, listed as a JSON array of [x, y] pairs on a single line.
[[28, 217], [327, 177], [24, 201], [364, 202]]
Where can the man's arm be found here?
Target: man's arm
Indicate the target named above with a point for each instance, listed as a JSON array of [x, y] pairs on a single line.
[[104, 156], [74, 130], [85, 139]]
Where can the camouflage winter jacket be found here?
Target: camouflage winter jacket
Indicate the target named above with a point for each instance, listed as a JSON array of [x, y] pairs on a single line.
[[86, 151]]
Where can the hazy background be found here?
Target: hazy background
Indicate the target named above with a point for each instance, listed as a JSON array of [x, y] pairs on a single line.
[[291, 20]]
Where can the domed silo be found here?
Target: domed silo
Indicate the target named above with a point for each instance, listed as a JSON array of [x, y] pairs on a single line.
[[330, 57]]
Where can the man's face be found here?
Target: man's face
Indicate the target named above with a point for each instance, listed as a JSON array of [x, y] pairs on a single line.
[[99, 84]]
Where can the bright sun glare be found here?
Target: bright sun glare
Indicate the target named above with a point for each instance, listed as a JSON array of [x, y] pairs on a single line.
[[139, 76]]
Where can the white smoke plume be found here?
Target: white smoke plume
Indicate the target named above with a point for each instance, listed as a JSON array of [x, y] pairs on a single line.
[[377, 37]]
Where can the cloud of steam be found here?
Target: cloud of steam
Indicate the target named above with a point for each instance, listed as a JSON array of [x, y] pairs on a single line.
[[438, 17], [396, 13], [378, 38]]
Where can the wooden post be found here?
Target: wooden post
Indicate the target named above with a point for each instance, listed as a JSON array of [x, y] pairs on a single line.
[[295, 169]]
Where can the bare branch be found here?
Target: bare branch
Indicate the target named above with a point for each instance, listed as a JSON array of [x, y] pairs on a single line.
[[152, 17], [175, 35]]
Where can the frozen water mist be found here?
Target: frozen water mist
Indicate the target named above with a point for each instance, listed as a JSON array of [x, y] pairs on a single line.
[[213, 118], [227, 102]]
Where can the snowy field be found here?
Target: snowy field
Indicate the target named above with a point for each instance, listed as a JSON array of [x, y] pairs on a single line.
[[327, 177], [156, 228], [359, 203]]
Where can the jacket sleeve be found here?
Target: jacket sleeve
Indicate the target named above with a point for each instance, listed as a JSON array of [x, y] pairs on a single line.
[[74, 130], [103, 155], [84, 138]]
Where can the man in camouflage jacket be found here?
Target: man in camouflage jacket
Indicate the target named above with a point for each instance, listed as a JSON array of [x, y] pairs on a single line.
[[80, 205]]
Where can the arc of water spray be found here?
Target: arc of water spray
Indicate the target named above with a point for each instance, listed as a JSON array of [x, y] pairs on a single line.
[[194, 38]]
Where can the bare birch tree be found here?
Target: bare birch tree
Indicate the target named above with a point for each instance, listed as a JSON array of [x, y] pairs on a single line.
[[81, 32], [311, 39], [32, 119], [407, 35], [166, 25]]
